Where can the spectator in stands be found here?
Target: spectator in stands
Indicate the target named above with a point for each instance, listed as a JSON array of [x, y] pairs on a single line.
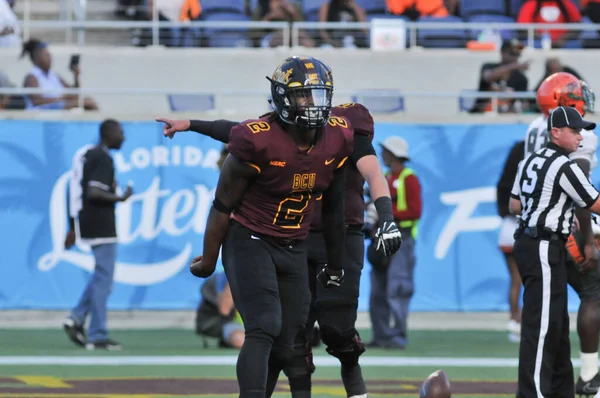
[[414, 9], [551, 11], [553, 65], [175, 11], [503, 77], [131, 9], [42, 76], [10, 102], [343, 11], [10, 32], [592, 9], [280, 11]]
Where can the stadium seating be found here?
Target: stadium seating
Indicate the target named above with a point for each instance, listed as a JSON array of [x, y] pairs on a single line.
[[370, 17], [469, 8], [588, 34], [191, 102], [224, 11], [441, 38], [491, 18], [476, 11], [380, 101], [515, 6], [372, 6], [218, 6], [253, 5], [310, 9]]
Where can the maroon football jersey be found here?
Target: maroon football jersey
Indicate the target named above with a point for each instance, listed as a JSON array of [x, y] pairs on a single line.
[[281, 200], [362, 121]]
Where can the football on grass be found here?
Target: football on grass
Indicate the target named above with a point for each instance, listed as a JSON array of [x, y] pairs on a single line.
[[436, 385]]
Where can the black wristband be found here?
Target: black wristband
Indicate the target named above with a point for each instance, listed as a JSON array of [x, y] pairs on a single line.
[[384, 208], [220, 207]]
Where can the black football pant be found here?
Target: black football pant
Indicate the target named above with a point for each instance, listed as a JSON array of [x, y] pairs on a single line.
[[269, 285], [335, 307], [545, 368], [336, 310]]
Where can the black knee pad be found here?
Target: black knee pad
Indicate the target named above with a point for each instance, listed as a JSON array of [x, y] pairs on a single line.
[[302, 362], [346, 346], [301, 365]]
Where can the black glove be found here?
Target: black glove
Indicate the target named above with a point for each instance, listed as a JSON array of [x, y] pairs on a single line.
[[330, 278], [388, 237]]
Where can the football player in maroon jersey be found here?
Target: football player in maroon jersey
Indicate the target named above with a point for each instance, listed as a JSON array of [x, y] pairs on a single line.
[[334, 310], [279, 167]]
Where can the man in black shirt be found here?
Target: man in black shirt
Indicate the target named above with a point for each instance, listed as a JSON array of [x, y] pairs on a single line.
[[96, 227], [506, 237], [553, 65], [507, 75]]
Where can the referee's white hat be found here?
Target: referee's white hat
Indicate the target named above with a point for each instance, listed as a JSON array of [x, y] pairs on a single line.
[[566, 116], [397, 146]]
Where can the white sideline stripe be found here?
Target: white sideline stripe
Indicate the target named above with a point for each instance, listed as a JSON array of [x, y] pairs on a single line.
[[214, 360]]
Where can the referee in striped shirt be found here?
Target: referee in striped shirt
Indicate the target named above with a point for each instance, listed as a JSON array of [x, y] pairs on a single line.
[[546, 189]]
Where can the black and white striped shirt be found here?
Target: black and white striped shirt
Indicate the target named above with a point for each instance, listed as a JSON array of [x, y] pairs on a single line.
[[548, 185]]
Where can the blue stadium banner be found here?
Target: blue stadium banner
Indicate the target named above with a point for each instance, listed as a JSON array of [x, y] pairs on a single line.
[[161, 227]]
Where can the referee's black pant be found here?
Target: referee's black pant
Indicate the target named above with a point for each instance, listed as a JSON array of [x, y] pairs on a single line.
[[545, 368]]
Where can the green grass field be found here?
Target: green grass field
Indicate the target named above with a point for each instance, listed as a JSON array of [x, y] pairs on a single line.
[[173, 363]]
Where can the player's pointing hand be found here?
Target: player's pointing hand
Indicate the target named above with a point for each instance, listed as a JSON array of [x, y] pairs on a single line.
[[172, 126]]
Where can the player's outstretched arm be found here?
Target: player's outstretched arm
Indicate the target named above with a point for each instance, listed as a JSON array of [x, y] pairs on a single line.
[[219, 130], [233, 181], [334, 229]]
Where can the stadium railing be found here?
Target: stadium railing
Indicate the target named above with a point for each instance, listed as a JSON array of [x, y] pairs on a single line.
[[378, 101], [75, 30]]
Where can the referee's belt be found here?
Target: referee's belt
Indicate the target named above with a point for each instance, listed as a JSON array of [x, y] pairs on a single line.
[[539, 233]]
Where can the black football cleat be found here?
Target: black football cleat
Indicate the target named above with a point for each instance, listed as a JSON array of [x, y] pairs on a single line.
[[74, 331], [589, 387], [108, 344]]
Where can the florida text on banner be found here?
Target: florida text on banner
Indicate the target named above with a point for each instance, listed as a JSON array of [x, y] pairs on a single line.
[[161, 227]]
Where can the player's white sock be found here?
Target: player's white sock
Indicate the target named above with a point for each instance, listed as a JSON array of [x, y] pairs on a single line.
[[360, 396], [589, 366]]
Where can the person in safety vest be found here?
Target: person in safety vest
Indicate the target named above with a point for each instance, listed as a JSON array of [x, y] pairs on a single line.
[[392, 277]]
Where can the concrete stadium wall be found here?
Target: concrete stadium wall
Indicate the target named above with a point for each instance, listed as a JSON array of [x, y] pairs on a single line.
[[244, 69]]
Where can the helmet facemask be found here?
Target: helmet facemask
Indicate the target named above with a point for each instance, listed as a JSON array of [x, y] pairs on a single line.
[[306, 106], [589, 98], [579, 97]]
